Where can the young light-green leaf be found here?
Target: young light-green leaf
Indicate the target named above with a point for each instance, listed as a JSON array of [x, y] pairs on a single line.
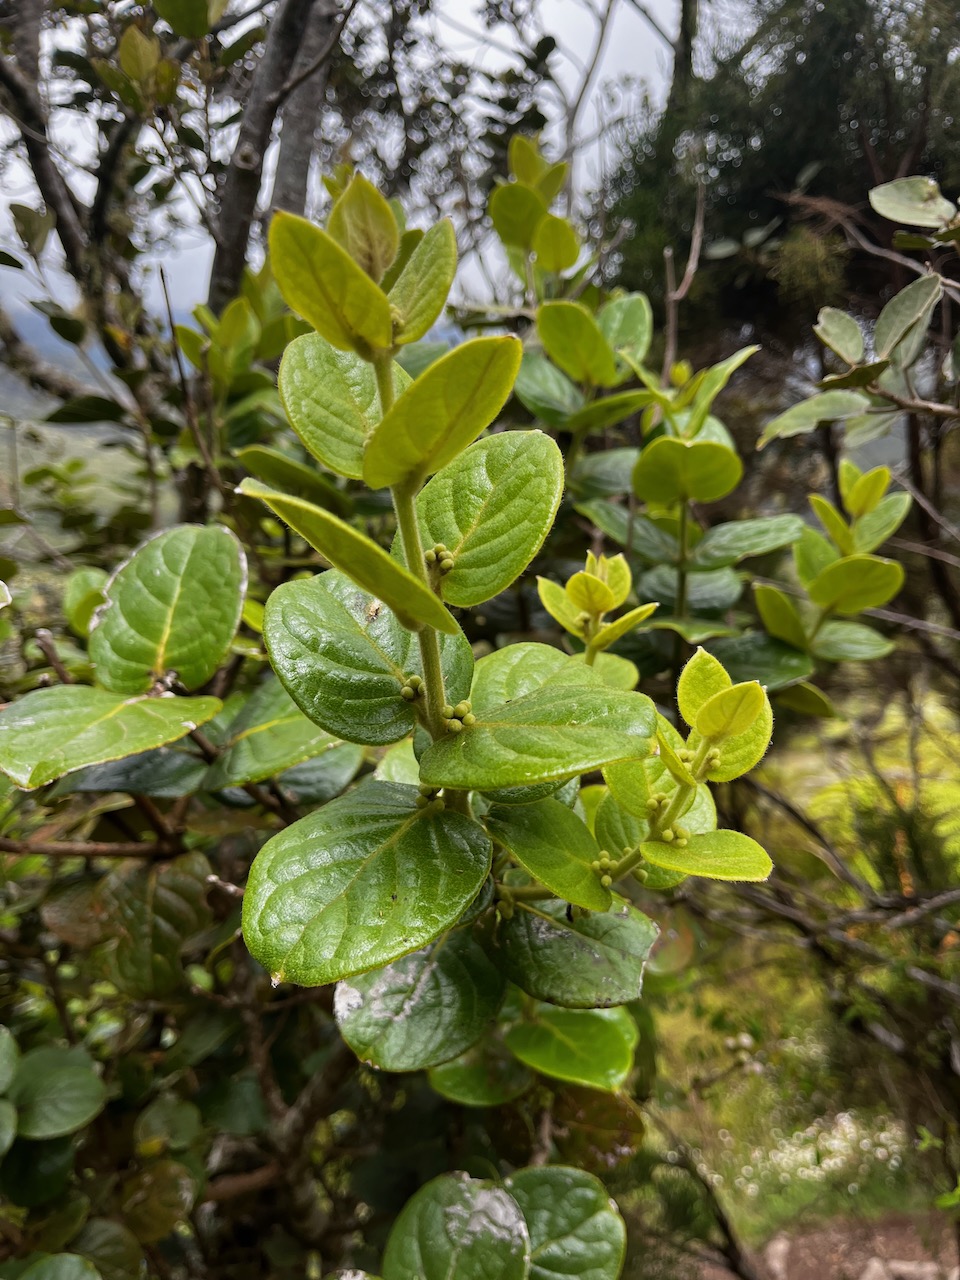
[[627, 324], [856, 583], [516, 212], [731, 711], [359, 883], [355, 554], [423, 1009], [671, 470], [780, 615], [592, 1047], [544, 736], [174, 606], [362, 222], [343, 658], [573, 340], [332, 401], [594, 961], [419, 293], [50, 732], [492, 508], [321, 282], [442, 412], [555, 846], [556, 244], [717, 855]]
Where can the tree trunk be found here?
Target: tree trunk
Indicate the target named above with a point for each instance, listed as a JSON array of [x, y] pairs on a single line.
[[302, 112], [679, 95]]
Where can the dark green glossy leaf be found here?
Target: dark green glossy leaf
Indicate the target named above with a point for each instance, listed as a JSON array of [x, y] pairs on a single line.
[[9, 1057], [268, 735], [56, 1092], [112, 1249], [623, 832], [360, 883], [53, 731], [773, 663], [585, 1046], [492, 508], [458, 1226], [539, 737], [152, 910], [593, 961], [555, 846], [640, 535], [34, 1173], [423, 1009], [174, 606], [343, 658], [604, 474], [713, 590], [575, 1228]]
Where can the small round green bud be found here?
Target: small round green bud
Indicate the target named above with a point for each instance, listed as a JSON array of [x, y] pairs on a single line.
[[408, 693], [455, 726], [595, 865], [446, 564], [440, 548], [461, 709], [415, 682], [639, 873], [430, 557], [606, 881], [667, 836], [653, 804], [446, 711], [437, 805], [425, 789], [469, 718], [680, 843], [422, 802]]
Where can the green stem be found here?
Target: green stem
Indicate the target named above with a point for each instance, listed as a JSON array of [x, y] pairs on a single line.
[[404, 504], [682, 562]]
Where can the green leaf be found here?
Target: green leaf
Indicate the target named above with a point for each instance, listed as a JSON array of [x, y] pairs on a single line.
[[812, 553], [837, 529], [573, 340], [423, 1009], [485, 1076], [188, 18], [727, 544], [539, 737], [827, 406], [458, 1226], [53, 731], [138, 54], [594, 961], [589, 594], [56, 1091], [34, 1173], [627, 324], [344, 659], [83, 594], [516, 212], [442, 412], [156, 1198], [362, 222], [593, 1047], [152, 910], [360, 883], [267, 736], [715, 590], [906, 309], [492, 508], [419, 293], [865, 493], [644, 538], [321, 282], [856, 583], [807, 700], [555, 846], [9, 1057], [545, 391], [621, 626], [841, 333], [560, 607], [112, 1249], [61, 1266], [717, 855], [8, 1126], [88, 409], [575, 1227], [286, 473], [731, 711], [711, 382], [556, 244], [174, 606], [603, 475], [850, 642], [671, 470], [368, 565], [701, 678], [872, 529], [332, 401], [770, 661], [915, 201], [519, 669], [780, 616]]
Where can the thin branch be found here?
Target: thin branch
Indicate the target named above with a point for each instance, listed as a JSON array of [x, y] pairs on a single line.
[[86, 848], [675, 293], [280, 96], [645, 13]]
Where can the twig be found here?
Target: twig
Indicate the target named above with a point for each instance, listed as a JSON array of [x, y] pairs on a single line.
[[46, 645], [189, 409], [86, 848], [675, 294]]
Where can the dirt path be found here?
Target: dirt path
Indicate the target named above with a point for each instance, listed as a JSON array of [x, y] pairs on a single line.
[[842, 1250]]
